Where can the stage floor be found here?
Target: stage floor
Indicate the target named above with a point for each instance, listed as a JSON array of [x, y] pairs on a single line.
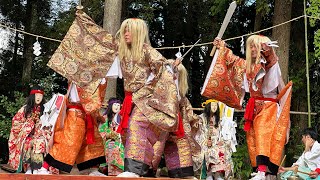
[[4, 175]]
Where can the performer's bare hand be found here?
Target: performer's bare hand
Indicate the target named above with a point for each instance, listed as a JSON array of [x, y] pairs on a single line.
[[295, 169], [266, 50], [177, 62], [308, 143], [313, 174], [281, 169], [218, 42]]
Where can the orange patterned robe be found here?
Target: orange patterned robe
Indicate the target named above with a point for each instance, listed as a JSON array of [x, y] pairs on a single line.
[[267, 136], [70, 142]]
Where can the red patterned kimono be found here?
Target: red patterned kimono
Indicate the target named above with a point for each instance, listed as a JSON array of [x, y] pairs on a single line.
[[269, 105], [27, 141]]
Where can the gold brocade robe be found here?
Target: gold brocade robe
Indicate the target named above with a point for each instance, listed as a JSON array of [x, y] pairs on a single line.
[[156, 98], [190, 121], [85, 53], [88, 51]]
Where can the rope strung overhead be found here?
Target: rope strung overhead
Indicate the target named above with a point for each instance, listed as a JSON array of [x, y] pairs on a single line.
[[173, 47]]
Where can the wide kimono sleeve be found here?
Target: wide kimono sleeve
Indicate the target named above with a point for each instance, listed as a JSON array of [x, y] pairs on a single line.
[[21, 128], [190, 119], [155, 61], [158, 99], [85, 54], [224, 80]]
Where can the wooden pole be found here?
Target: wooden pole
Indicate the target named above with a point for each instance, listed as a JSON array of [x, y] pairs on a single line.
[[307, 62], [242, 111], [111, 23]]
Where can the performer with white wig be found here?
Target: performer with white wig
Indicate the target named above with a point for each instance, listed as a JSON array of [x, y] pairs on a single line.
[[267, 119]]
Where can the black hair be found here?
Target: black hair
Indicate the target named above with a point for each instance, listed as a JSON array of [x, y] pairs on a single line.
[[31, 103], [207, 113], [109, 111], [311, 132]]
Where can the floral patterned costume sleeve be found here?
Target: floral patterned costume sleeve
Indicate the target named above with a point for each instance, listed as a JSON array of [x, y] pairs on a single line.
[[27, 141], [114, 149]]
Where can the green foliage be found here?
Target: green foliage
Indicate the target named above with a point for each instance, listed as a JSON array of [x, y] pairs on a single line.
[[48, 84], [317, 43], [8, 109], [294, 141], [314, 11], [263, 7], [219, 7], [241, 161]]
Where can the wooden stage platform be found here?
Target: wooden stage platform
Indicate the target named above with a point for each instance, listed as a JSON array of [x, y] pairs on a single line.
[[5, 176], [73, 176]]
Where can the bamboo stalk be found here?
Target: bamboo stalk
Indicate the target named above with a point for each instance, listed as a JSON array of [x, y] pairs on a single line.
[[307, 62], [303, 172], [283, 160]]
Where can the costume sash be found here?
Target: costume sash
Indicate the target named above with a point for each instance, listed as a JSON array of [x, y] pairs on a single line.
[[89, 123], [125, 112]]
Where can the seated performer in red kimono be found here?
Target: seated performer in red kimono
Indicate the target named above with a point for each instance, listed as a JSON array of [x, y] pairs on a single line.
[[267, 112], [28, 141]]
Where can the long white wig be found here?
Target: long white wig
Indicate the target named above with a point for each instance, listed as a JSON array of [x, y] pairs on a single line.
[[140, 36], [254, 40]]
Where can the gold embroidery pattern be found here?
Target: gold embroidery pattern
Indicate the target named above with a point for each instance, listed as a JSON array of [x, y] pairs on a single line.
[[85, 54]]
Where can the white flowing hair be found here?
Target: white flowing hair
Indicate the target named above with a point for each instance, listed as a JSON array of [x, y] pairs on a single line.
[[183, 80], [254, 40], [140, 36]]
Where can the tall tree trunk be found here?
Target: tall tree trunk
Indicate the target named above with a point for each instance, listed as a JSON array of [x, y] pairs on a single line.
[[111, 22], [299, 102], [28, 41], [257, 21], [282, 13]]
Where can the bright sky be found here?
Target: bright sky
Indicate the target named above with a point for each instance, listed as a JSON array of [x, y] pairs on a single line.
[[3, 36], [58, 5]]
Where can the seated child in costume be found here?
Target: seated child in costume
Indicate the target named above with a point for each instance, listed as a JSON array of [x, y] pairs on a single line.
[[309, 161], [28, 141], [216, 136], [114, 149]]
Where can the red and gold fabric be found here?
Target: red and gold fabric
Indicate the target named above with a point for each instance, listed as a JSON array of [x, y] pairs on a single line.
[[28, 141], [267, 133], [78, 136], [180, 147], [189, 120], [224, 82]]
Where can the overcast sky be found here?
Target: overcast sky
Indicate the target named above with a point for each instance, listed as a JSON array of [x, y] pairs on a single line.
[[58, 5]]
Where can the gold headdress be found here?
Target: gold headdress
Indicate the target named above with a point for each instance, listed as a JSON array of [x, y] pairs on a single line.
[[208, 101]]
